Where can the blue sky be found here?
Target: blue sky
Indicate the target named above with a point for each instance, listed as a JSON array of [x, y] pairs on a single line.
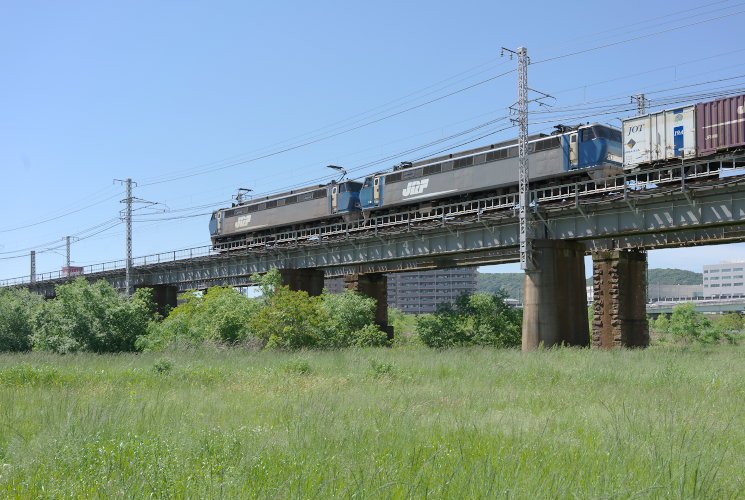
[[159, 91]]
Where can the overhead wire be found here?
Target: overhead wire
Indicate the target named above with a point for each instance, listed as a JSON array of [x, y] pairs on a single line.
[[415, 107], [298, 146], [667, 18], [562, 113], [78, 235], [60, 216], [640, 37], [307, 143]]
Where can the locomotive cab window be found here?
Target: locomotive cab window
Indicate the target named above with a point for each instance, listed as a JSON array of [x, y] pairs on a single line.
[[591, 133], [588, 134], [607, 133]]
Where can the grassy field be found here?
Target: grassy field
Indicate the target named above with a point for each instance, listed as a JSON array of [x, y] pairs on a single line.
[[381, 423]]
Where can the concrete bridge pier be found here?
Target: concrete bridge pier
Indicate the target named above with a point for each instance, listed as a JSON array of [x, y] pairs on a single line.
[[165, 297], [555, 298], [620, 298], [373, 285], [306, 279]]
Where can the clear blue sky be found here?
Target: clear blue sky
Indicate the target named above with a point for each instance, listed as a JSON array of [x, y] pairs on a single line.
[[92, 91]]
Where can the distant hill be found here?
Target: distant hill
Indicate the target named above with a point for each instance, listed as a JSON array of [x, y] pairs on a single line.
[[674, 277], [512, 283]]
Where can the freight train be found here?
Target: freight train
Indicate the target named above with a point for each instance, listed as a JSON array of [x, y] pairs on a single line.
[[591, 151]]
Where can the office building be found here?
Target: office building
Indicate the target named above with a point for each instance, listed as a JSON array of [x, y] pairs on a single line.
[[724, 280]]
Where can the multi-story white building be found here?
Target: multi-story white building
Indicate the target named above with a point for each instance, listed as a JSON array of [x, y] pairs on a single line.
[[724, 280]]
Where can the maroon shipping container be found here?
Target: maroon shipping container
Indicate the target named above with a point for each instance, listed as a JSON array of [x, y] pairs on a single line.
[[720, 125]]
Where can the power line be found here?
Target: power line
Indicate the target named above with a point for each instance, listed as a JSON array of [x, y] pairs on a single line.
[[57, 247], [667, 17], [308, 143], [57, 217], [640, 37]]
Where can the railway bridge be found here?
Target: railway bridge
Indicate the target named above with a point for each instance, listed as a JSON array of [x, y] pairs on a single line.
[[616, 220]]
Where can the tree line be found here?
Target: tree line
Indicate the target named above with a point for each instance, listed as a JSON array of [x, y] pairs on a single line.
[[94, 317]]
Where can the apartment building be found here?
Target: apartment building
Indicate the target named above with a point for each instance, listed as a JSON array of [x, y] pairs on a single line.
[[420, 292], [724, 280]]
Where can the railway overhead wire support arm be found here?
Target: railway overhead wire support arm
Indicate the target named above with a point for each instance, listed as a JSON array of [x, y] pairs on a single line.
[[526, 258]]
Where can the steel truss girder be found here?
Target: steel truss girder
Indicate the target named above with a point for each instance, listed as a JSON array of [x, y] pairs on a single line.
[[718, 216]]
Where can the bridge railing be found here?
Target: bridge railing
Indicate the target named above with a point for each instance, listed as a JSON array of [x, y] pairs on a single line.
[[116, 265], [627, 186]]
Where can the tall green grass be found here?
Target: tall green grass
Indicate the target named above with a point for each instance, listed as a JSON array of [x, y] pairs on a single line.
[[375, 423]]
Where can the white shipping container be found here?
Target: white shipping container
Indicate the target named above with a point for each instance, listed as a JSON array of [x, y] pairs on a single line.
[[659, 136]]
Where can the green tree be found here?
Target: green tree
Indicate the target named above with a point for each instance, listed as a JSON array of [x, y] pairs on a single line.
[[730, 327], [688, 325], [479, 319], [268, 282], [17, 308], [351, 321], [92, 317], [290, 320], [222, 315], [661, 327]]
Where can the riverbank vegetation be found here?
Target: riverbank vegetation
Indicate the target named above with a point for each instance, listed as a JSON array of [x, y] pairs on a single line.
[[87, 317], [410, 422]]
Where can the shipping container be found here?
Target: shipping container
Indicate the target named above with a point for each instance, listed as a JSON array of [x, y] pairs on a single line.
[[659, 136], [720, 124]]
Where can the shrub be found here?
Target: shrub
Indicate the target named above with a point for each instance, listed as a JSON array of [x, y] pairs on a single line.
[[381, 368], [163, 365], [290, 320], [221, 315], [351, 321], [730, 327], [368, 336], [17, 308], [479, 319], [685, 325], [299, 366], [92, 317]]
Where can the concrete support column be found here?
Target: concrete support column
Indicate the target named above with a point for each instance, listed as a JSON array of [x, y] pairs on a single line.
[[373, 285], [165, 297], [308, 280], [555, 303], [620, 298]]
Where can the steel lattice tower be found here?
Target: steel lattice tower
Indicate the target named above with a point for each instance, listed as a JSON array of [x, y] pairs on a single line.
[[526, 262]]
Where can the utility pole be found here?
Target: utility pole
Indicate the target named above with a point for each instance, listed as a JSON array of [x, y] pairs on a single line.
[[67, 254], [526, 258], [641, 104], [33, 266], [523, 100], [127, 216]]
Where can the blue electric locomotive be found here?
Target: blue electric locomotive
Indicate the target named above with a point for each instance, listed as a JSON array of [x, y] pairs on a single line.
[[591, 150]]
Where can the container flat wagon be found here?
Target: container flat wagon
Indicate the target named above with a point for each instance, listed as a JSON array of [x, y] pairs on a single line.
[[688, 132]]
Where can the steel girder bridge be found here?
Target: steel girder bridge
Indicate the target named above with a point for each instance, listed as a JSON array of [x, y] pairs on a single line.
[[696, 202]]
